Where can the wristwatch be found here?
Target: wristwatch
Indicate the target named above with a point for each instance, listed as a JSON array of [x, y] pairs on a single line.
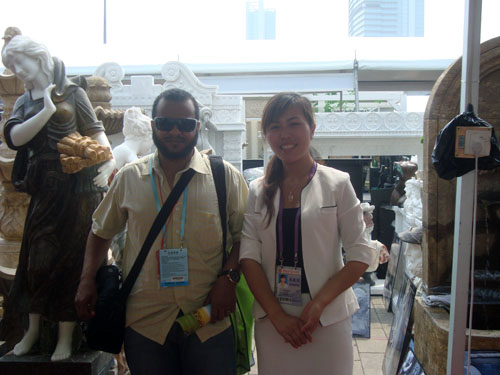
[[232, 275]]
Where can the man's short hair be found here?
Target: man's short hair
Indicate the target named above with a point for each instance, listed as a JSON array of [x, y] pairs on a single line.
[[176, 95]]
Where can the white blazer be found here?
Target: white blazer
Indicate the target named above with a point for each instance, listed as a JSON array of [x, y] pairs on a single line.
[[331, 218]]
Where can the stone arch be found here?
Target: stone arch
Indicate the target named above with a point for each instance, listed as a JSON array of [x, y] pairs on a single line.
[[438, 194]]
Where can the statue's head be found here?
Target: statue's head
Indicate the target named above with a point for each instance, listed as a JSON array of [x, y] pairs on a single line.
[[137, 126], [34, 58]]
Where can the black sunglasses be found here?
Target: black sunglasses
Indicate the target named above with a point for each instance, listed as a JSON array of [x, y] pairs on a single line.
[[184, 125]]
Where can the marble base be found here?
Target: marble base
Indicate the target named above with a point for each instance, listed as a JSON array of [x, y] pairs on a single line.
[[9, 253], [82, 363], [431, 327]]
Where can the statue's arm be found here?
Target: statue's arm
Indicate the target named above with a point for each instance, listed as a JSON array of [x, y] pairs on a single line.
[[24, 132], [108, 167]]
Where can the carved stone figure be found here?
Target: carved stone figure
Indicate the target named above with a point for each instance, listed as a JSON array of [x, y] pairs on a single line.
[[206, 125], [59, 215], [138, 140], [406, 170]]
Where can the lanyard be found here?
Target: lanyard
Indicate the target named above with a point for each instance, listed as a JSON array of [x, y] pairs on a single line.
[[159, 205], [296, 226]]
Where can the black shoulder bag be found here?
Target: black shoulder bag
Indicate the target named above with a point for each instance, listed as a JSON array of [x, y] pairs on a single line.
[[241, 318], [105, 330]]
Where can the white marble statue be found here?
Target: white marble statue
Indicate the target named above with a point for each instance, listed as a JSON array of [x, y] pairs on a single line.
[[206, 124], [59, 215], [138, 140], [412, 206], [383, 253]]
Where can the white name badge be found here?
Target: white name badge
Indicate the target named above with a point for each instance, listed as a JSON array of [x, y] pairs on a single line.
[[173, 267], [288, 288]]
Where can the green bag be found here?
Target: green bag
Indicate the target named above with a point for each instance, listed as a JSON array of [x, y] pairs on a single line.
[[241, 320]]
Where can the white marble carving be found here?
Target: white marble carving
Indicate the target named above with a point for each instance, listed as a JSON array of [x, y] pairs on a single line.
[[342, 134], [412, 206], [113, 73], [380, 124], [180, 76], [137, 134]]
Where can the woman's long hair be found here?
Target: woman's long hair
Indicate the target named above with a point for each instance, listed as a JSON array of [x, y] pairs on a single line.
[[21, 44], [274, 108]]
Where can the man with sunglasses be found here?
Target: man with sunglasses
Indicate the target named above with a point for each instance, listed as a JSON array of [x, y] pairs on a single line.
[[153, 343]]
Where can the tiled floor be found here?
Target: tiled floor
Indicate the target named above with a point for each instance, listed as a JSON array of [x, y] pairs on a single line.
[[369, 353]]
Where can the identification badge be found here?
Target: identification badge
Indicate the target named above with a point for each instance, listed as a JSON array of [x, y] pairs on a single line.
[[173, 267], [288, 289]]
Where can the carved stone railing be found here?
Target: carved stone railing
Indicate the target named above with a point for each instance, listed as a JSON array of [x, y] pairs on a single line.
[[370, 124], [369, 133]]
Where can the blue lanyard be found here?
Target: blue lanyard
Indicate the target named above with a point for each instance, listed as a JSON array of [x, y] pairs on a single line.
[[159, 205]]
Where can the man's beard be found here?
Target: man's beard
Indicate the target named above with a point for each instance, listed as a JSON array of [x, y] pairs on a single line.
[[174, 155]]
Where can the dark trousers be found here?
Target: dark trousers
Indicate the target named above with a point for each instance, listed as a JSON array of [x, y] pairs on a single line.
[[180, 354]]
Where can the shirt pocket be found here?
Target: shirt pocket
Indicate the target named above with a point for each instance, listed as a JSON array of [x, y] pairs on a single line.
[[205, 236]]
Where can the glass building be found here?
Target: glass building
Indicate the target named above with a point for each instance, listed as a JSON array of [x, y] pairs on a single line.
[[386, 18]]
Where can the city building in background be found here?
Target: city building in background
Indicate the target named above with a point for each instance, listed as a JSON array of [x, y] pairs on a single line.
[[261, 21], [386, 18]]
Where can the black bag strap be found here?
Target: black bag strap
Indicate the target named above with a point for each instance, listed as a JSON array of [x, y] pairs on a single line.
[[219, 176], [161, 218]]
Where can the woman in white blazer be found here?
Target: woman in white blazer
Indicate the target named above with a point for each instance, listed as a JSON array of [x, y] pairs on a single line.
[[299, 216]]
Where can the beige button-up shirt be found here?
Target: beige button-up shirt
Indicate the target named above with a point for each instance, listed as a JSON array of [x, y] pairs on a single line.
[[151, 309]]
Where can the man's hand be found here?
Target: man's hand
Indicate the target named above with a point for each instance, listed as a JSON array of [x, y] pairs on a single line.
[[85, 299], [222, 296]]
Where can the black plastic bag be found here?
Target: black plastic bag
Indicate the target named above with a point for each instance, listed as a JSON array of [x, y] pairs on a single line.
[[443, 156]]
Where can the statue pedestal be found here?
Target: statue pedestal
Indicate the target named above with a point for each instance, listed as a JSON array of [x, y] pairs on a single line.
[[81, 363], [431, 328]]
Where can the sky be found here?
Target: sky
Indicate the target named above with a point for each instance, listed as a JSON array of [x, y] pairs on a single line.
[[151, 32]]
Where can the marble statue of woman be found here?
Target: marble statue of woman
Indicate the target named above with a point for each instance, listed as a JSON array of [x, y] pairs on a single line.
[[59, 215], [206, 124], [138, 141]]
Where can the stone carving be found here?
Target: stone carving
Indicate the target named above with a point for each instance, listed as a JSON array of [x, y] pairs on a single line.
[[138, 140], [412, 206], [98, 92], [393, 121], [207, 125], [373, 121], [381, 124], [113, 73], [180, 76], [332, 121], [405, 170], [353, 121]]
